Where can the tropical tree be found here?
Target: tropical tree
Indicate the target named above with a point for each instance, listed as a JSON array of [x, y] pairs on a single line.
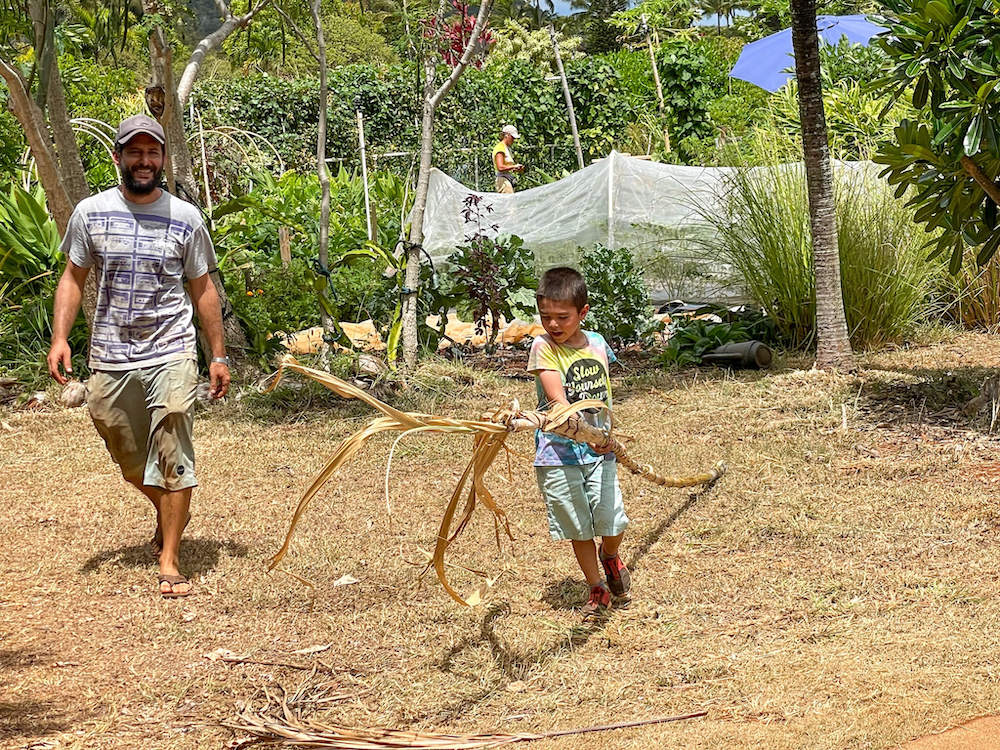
[[37, 99], [443, 41], [833, 345], [943, 56]]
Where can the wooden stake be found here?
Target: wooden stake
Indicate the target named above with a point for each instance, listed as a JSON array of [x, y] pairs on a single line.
[[567, 97]]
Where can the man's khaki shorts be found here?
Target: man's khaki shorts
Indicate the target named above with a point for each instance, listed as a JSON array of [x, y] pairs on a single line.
[[146, 417], [503, 185]]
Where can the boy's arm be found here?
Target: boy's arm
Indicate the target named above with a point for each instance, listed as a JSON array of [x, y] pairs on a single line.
[[552, 386], [555, 393]]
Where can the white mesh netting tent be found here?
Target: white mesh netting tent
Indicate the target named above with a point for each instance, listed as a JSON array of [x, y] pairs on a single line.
[[620, 201]]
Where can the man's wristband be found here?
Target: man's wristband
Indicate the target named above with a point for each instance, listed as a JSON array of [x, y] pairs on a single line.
[[221, 361]]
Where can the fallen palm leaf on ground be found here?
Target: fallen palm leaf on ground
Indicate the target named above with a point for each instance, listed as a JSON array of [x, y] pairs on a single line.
[[290, 730], [488, 440]]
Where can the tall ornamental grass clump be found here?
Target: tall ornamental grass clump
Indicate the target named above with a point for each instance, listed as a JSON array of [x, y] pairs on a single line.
[[762, 230]]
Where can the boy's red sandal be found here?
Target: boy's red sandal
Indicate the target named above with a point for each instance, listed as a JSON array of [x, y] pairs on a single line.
[[619, 579], [598, 603]]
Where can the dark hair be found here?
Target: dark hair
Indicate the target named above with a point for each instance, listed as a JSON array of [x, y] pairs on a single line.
[[563, 284]]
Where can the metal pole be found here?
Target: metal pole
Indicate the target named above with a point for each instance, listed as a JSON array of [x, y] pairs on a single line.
[[567, 96], [364, 176], [611, 200]]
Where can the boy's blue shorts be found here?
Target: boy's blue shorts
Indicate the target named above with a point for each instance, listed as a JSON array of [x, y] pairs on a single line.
[[583, 501]]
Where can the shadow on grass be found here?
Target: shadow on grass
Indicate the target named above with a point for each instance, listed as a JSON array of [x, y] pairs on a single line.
[[935, 398], [198, 556], [564, 595], [29, 719]]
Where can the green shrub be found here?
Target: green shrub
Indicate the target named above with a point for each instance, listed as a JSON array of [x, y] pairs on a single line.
[[691, 338], [490, 278], [619, 300], [763, 231], [26, 334]]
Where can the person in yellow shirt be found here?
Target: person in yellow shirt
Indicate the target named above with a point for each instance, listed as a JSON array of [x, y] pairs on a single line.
[[504, 162]]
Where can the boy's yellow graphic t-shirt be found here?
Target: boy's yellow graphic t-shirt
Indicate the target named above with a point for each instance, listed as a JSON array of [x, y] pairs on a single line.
[[584, 374]]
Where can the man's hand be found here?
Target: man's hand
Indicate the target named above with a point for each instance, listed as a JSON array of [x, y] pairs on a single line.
[[518, 168], [60, 354], [218, 376]]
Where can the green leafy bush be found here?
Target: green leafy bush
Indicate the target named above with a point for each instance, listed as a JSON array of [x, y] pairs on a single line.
[[490, 278], [619, 300], [29, 239], [692, 337], [686, 94]]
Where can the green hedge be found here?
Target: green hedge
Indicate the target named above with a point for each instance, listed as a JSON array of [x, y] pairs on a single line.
[[610, 93]]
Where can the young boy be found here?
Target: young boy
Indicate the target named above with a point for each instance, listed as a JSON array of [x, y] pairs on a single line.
[[578, 481]]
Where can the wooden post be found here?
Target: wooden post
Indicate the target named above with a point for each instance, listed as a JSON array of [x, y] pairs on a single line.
[[284, 246], [364, 177], [567, 96], [656, 79]]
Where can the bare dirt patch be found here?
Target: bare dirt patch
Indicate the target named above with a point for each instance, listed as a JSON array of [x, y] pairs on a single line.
[[838, 588]]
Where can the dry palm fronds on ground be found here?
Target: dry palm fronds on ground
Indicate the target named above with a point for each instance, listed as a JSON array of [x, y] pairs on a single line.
[[277, 723], [488, 439]]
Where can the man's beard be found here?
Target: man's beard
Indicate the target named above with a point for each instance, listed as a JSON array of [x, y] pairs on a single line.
[[135, 186]]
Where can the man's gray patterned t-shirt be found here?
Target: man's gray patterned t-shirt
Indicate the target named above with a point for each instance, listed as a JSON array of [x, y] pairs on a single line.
[[142, 254]]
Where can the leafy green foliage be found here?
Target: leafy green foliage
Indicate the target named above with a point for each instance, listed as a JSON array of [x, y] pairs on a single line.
[[26, 331], [513, 41], [686, 95], [29, 240], [270, 45], [667, 16], [270, 298], [619, 300], [691, 338], [600, 35], [942, 55], [490, 277]]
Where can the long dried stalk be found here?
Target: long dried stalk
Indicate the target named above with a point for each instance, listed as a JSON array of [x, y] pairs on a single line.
[[488, 440], [292, 731]]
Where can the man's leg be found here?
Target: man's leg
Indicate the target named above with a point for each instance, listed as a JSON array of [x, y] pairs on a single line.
[[610, 545], [174, 507]]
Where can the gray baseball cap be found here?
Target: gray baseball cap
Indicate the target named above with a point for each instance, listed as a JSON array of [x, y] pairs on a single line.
[[132, 126]]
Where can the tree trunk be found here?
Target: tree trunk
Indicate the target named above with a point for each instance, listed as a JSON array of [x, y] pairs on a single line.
[[432, 99], [321, 168], [411, 280], [833, 345], [32, 121], [229, 25], [568, 97], [52, 99]]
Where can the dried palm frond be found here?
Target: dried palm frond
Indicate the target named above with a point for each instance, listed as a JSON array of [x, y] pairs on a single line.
[[488, 440], [290, 730]]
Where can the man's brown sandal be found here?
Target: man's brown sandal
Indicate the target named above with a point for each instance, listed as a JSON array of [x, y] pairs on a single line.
[[174, 581]]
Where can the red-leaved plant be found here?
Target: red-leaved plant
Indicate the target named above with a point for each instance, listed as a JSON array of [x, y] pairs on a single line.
[[453, 35]]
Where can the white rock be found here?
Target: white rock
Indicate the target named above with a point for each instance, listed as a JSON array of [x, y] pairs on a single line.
[[74, 394]]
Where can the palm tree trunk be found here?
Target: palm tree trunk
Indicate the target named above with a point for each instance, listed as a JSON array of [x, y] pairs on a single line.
[[833, 345]]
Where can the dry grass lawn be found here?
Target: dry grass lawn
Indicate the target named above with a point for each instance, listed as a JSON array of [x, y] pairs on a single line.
[[838, 588]]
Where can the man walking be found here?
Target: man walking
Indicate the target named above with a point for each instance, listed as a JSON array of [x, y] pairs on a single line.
[[143, 243], [504, 162]]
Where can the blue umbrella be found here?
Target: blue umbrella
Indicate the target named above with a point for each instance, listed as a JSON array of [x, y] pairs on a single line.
[[768, 61]]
